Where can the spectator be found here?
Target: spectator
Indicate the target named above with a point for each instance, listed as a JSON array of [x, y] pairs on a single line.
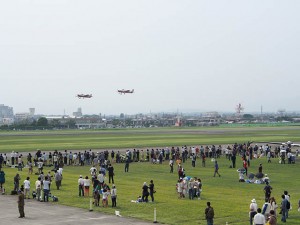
[[38, 187], [216, 169], [46, 188], [86, 183], [81, 186], [110, 173], [259, 219], [21, 202], [58, 178], [283, 208], [253, 210], [17, 179], [27, 188], [152, 190], [209, 214], [145, 192], [114, 196], [272, 218]]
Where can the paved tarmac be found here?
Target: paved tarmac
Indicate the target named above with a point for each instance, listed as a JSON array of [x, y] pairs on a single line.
[[37, 213]]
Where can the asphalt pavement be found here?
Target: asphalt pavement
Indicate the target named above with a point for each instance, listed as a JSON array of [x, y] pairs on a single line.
[[37, 213]]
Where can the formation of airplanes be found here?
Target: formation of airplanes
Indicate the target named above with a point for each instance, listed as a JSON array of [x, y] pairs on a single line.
[[120, 91]]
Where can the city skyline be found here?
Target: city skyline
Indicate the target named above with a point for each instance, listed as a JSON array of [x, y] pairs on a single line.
[[194, 56]]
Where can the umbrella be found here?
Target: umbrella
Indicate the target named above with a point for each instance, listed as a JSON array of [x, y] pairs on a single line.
[[259, 175], [251, 175], [242, 170]]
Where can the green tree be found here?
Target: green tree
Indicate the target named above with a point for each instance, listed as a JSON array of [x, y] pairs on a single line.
[[248, 116], [42, 122]]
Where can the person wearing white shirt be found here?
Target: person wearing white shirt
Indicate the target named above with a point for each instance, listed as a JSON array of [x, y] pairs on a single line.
[[259, 219], [101, 178], [27, 187], [80, 186], [114, 196], [38, 186], [93, 171], [86, 183], [287, 197]]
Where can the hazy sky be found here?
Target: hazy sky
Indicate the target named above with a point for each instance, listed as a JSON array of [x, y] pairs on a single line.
[[185, 55]]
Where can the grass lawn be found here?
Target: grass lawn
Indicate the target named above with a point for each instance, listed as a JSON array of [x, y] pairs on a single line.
[[229, 198], [24, 141]]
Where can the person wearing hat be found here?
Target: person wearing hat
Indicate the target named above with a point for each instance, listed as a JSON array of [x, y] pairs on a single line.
[[21, 202], [80, 186], [253, 210]]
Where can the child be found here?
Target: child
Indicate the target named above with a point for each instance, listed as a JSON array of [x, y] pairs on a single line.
[[105, 198]]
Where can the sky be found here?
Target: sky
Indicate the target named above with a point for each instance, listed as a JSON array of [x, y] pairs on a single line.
[[178, 56]]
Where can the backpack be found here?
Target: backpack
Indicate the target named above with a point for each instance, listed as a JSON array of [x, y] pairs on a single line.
[[288, 205], [210, 213]]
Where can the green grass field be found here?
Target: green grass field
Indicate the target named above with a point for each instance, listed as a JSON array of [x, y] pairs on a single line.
[[24, 141], [229, 198]]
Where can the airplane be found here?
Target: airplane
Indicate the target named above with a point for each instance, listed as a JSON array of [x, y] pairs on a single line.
[[84, 96], [123, 91]]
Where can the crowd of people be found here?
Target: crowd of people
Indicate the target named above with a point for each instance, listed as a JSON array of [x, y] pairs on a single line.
[[270, 210], [97, 187]]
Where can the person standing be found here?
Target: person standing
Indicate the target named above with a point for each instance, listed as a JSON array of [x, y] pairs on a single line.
[[274, 205], [16, 182], [21, 202], [245, 165], [111, 174], [46, 188], [2, 180], [114, 196], [145, 192], [272, 218], [268, 191], [171, 164], [233, 159], [260, 168], [287, 197], [151, 190], [209, 214], [253, 210], [80, 186], [259, 219], [203, 159], [269, 156], [193, 160], [58, 178], [27, 187], [216, 169], [283, 208], [127, 164], [38, 187], [86, 183]]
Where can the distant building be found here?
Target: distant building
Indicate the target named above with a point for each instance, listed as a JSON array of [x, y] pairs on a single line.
[[78, 113], [6, 111], [6, 115]]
